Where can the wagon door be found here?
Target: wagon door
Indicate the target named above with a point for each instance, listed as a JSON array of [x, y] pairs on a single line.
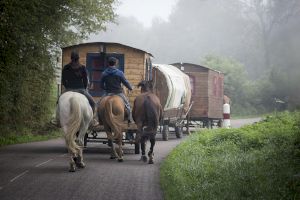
[[96, 64]]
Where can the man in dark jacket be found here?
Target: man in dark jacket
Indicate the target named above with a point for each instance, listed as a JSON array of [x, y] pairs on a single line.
[[111, 81], [75, 78]]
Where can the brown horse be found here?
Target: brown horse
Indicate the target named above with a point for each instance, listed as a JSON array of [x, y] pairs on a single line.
[[147, 113], [111, 115]]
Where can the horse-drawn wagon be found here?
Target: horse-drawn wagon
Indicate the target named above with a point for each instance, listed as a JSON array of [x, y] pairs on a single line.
[[187, 92], [135, 63], [174, 89], [207, 87]]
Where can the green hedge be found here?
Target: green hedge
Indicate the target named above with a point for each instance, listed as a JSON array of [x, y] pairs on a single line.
[[259, 161], [28, 135]]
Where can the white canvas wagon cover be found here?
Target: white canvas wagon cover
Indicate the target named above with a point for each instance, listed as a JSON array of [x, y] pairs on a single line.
[[172, 86]]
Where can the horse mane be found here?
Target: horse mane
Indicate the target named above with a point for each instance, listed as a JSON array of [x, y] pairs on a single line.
[[146, 86]]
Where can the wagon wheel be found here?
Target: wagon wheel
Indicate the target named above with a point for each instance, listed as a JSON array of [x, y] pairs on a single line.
[[207, 123], [165, 132], [178, 131], [220, 123], [137, 148], [187, 125], [212, 123]]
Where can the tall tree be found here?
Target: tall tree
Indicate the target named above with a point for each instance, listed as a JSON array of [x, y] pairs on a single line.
[[266, 16], [31, 32], [276, 24]]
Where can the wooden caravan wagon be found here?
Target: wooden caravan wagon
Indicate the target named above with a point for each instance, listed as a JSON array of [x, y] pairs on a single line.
[[207, 94], [135, 63]]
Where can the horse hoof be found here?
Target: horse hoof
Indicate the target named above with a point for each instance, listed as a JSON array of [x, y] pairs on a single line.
[[144, 158], [149, 153], [75, 159], [72, 169], [150, 162], [80, 165], [120, 160]]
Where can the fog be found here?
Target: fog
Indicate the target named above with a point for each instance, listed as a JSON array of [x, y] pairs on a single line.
[[261, 36]]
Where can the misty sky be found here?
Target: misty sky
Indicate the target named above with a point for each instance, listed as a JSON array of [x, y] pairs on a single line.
[[146, 10], [191, 30]]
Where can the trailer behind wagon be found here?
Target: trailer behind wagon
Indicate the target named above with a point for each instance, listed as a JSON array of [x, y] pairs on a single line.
[[207, 87], [174, 91]]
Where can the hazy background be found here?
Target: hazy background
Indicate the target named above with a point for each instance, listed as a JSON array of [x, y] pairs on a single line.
[[188, 30], [254, 42]]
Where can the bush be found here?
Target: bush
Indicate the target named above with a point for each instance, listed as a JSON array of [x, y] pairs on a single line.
[[253, 162], [46, 133]]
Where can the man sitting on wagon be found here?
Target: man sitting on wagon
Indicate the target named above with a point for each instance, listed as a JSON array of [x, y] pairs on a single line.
[[75, 78], [111, 81]]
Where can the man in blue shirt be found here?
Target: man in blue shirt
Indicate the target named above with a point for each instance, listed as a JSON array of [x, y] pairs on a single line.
[[111, 81]]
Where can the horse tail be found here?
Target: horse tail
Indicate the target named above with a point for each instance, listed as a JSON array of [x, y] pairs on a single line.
[[73, 125], [114, 124], [151, 112]]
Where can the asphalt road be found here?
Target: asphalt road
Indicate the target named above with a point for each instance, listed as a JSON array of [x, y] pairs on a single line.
[[237, 123], [39, 171]]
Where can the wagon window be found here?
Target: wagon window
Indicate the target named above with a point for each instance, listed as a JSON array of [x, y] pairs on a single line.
[[217, 86], [220, 94], [192, 82]]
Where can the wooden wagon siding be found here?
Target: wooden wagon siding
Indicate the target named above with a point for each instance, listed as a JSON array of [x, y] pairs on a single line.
[[135, 60], [207, 91]]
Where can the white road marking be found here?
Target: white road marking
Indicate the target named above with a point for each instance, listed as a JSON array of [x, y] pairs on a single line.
[[43, 163], [19, 176], [63, 155], [23, 173]]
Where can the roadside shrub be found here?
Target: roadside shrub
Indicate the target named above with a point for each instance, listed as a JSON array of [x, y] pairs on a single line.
[[258, 161]]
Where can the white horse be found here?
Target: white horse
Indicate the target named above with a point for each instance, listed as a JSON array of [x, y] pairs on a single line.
[[75, 115]]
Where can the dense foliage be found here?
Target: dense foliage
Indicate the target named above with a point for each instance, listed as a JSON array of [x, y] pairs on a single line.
[[44, 133], [259, 161], [274, 92], [32, 32]]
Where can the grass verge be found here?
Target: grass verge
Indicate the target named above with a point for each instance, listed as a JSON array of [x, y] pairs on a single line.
[[46, 133], [259, 161]]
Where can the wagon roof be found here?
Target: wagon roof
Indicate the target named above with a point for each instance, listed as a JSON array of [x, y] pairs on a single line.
[[105, 43], [196, 66]]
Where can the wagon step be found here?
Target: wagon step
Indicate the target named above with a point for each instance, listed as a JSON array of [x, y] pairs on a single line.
[[97, 128], [131, 126]]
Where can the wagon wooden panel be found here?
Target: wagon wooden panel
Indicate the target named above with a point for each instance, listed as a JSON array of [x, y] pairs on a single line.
[[135, 63]]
